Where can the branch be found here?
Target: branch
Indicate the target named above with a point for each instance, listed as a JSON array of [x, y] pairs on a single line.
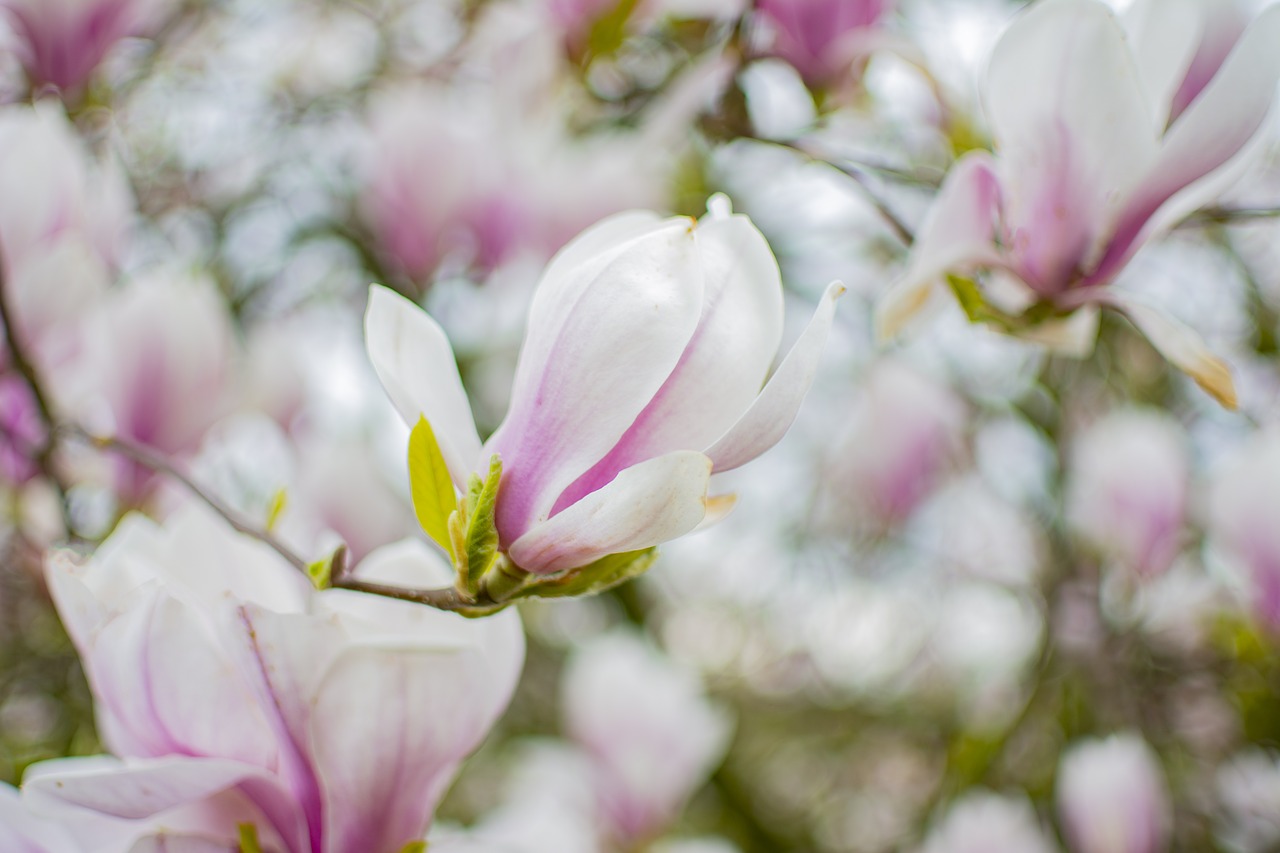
[[447, 598], [149, 458], [1228, 215]]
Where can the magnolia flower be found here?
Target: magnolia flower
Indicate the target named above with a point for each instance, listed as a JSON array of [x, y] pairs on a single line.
[[820, 38], [1248, 816], [1095, 154], [233, 692], [21, 432], [1242, 516], [982, 822], [640, 374], [652, 735], [155, 367], [900, 440], [61, 42], [62, 224], [1112, 798], [1127, 490]]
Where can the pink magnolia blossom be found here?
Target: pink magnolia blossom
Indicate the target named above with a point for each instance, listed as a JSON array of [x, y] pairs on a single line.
[[156, 366], [1112, 797], [233, 692], [641, 373], [904, 433], [651, 734], [1127, 493], [63, 224], [1095, 155], [820, 38], [21, 432], [61, 42], [1242, 514]]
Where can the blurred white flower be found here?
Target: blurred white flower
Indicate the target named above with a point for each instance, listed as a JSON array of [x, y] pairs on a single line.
[[1127, 488], [983, 822], [651, 733], [1249, 792], [1242, 522], [1112, 797]]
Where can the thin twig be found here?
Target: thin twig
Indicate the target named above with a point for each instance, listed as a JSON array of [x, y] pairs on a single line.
[[150, 459], [1228, 215], [447, 598], [861, 176]]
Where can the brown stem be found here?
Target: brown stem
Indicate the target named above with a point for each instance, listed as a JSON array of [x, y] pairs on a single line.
[[150, 459], [441, 599], [1227, 215]]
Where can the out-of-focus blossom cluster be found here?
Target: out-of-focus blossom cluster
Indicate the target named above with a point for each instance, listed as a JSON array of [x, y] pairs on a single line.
[[1003, 573]]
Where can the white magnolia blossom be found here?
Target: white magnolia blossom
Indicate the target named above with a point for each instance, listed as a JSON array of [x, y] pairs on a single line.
[[231, 692], [1112, 797]]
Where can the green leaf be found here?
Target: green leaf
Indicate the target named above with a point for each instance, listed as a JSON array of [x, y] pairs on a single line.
[[321, 573], [278, 503], [482, 531], [434, 499], [249, 839], [414, 847], [603, 574]]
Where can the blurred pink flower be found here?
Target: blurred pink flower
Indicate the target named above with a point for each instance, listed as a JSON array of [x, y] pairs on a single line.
[[61, 42], [1127, 489], [20, 429], [907, 428], [1242, 514], [652, 735], [1112, 797], [641, 372], [820, 38], [156, 366], [234, 692], [1093, 159]]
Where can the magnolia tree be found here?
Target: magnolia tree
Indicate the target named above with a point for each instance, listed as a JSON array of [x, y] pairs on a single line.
[[833, 425]]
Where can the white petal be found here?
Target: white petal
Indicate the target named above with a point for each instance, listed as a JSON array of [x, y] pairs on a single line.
[[582, 383], [1164, 35], [1206, 148], [167, 686], [1181, 346], [645, 505], [725, 363], [956, 235], [388, 731], [772, 413], [415, 363], [1073, 130]]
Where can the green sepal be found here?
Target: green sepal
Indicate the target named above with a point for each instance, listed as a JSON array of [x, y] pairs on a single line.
[[481, 545], [434, 499], [249, 838], [414, 847], [276, 509], [978, 310], [603, 574]]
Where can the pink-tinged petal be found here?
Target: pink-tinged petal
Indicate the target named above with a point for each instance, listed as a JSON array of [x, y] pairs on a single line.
[[645, 505], [163, 685], [1073, 130], [133, 790], [603, 337], [725, 363], [389, 728], [182, 795], [771, 414], [1181, 346], [1163, 35], [415, 363], [169, 843], [1206, 148], [23, 832], [957, 235]]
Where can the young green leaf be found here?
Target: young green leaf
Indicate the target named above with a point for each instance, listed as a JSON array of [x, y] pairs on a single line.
[[603, 574], [482, 531], [249, 839], [434, 499]]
